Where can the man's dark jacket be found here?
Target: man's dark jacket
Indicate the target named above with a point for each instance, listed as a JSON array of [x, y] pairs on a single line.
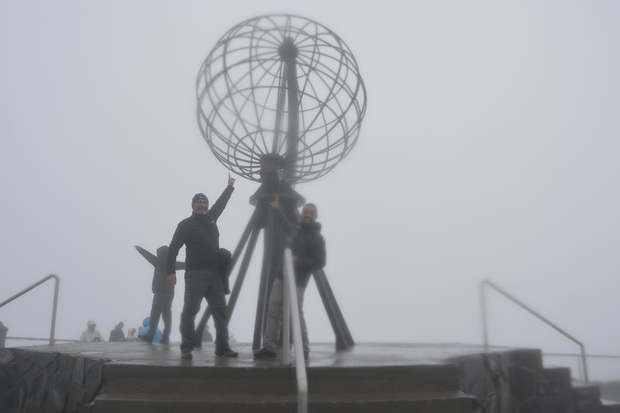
[[201, 237], [307, 244]]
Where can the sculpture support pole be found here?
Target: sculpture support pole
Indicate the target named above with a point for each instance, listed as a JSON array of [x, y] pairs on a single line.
[[292, 140], [263, 290], [242, 272]]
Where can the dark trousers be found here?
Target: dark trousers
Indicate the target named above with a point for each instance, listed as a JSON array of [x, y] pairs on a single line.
[[201, 284], [162, 307]]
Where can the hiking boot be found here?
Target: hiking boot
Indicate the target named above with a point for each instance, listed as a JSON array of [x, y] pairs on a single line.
[[186, 355], [226, 352], [264, 353], [146, 338]]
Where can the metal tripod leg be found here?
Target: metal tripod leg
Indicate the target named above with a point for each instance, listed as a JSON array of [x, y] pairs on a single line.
[[273, 250], [344, 340], [232, 301]]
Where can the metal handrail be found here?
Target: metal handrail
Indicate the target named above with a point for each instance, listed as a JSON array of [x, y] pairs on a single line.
[[291, 311], [54, 306], [68, 340], [484, 283]]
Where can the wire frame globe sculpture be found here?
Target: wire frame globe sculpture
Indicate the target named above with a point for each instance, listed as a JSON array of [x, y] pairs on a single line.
[[284, 87]]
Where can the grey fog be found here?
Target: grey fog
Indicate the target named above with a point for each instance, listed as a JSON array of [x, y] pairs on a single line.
[[489, 150]]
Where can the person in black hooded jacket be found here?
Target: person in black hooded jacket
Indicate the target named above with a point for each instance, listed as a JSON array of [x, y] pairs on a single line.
[[163, 293], [308, 250]]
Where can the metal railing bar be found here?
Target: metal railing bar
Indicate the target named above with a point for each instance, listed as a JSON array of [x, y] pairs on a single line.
[[590, 356], [291, 313], [41, 339], [54, 305], [488, 283]]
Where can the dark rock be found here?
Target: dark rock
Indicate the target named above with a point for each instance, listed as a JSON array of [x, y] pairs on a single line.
[[49, 382]]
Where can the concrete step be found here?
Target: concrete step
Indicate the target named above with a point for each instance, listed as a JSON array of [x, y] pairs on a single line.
[[430, 402], [431, 388], [587, 398], [518, 379], [610, 407], [128, 379], [561, 403], [556, 380]]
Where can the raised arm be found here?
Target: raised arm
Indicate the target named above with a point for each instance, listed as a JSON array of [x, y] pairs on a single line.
[[282, 220], [218, 207], [147, 255]]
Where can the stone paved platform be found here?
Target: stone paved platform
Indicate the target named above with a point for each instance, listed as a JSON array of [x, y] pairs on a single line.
[[322, 355]]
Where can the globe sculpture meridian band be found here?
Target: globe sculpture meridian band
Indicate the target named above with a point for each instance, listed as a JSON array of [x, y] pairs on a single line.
[[284, 86]]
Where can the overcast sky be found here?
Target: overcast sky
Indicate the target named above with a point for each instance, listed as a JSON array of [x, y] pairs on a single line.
[[489, 151]]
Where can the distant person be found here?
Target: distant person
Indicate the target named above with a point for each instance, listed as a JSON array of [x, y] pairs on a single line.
[[163, 293], [3, 331], [132, 334], [91, 334], [308, 249], [156, 335], [117, 334], [200, 235]]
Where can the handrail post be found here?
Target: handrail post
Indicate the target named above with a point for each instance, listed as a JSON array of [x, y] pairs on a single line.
[[286, 323], [584, 365], [534, 313], [483, 314], [54, 306], [300, 365]]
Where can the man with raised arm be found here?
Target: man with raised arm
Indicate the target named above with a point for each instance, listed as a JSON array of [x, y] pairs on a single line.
[[200, 235]]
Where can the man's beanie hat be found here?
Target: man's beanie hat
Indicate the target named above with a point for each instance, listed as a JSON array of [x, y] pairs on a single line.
[[198, 197]]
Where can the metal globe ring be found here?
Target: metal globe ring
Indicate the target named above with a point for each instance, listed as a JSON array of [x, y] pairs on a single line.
[[277, 79]]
